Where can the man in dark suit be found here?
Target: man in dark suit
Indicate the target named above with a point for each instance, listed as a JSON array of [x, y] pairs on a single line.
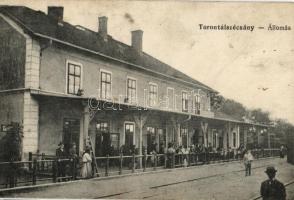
[[272, 189], [61, 164]]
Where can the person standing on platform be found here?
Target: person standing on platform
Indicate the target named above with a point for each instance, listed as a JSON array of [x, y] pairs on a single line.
[[86, 171], [248, 158], [170, 155], [272, 189], [282, 151], [74, 159], [61, 163], [73, 151]]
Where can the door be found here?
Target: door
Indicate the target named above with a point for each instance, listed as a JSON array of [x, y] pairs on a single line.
[[129, 135], [102, 142], [214, 138], [114, 143], [220, 142], [184, 136], [195, 138], [162, 139], [151, 139], [71, 133]]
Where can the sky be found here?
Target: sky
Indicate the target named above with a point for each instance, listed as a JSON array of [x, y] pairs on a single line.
[[255, 68]]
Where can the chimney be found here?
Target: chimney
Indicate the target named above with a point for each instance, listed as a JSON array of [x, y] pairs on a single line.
[[137, 36], [55, 12], [102, 30]]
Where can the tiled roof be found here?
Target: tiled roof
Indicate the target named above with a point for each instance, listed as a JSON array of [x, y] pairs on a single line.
[[38, 22]]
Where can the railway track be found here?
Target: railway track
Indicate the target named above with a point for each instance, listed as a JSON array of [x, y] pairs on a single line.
[[205, 177], [153, 188]]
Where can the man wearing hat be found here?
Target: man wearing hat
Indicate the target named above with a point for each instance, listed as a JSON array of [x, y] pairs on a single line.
[[272, 189], [61, 164]]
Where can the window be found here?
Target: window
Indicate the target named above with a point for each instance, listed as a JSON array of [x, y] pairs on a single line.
[[184, 102], [105, 85], [102, 126], [170, 98], [197, 104], [129, 134], [131, 90], [208, 102], [152, 94], [151, 130], [184, 136], [73, 78]]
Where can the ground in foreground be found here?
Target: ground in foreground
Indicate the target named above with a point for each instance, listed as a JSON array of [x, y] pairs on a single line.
[[218, 181]]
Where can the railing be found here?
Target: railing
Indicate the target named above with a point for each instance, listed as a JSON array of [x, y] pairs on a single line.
[[24, 173], [46, 169]]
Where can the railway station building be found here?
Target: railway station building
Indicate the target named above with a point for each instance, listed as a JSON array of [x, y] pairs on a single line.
[[67, 83]]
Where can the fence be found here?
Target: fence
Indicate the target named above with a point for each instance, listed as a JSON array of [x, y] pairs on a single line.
[[42, 169]]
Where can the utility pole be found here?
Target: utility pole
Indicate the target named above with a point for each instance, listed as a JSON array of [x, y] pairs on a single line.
[[269, 140]]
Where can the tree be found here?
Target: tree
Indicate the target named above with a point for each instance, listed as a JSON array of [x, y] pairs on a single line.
[[260, 116], [233, 108], [216, 101], [283, 130]]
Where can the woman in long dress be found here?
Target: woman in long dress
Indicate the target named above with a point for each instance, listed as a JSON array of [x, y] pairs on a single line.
[[86, 171]]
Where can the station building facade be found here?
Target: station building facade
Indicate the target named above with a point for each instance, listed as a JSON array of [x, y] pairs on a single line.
[[71, 84]]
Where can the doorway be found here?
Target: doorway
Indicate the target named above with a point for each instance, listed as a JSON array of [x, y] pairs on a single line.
[[129, 135], [102, 142], [71, 133]]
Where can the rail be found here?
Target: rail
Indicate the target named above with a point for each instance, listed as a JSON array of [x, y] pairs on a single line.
[[46, 169]]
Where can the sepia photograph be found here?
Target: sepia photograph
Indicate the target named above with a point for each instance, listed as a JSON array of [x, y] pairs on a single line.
[[137, 99]]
